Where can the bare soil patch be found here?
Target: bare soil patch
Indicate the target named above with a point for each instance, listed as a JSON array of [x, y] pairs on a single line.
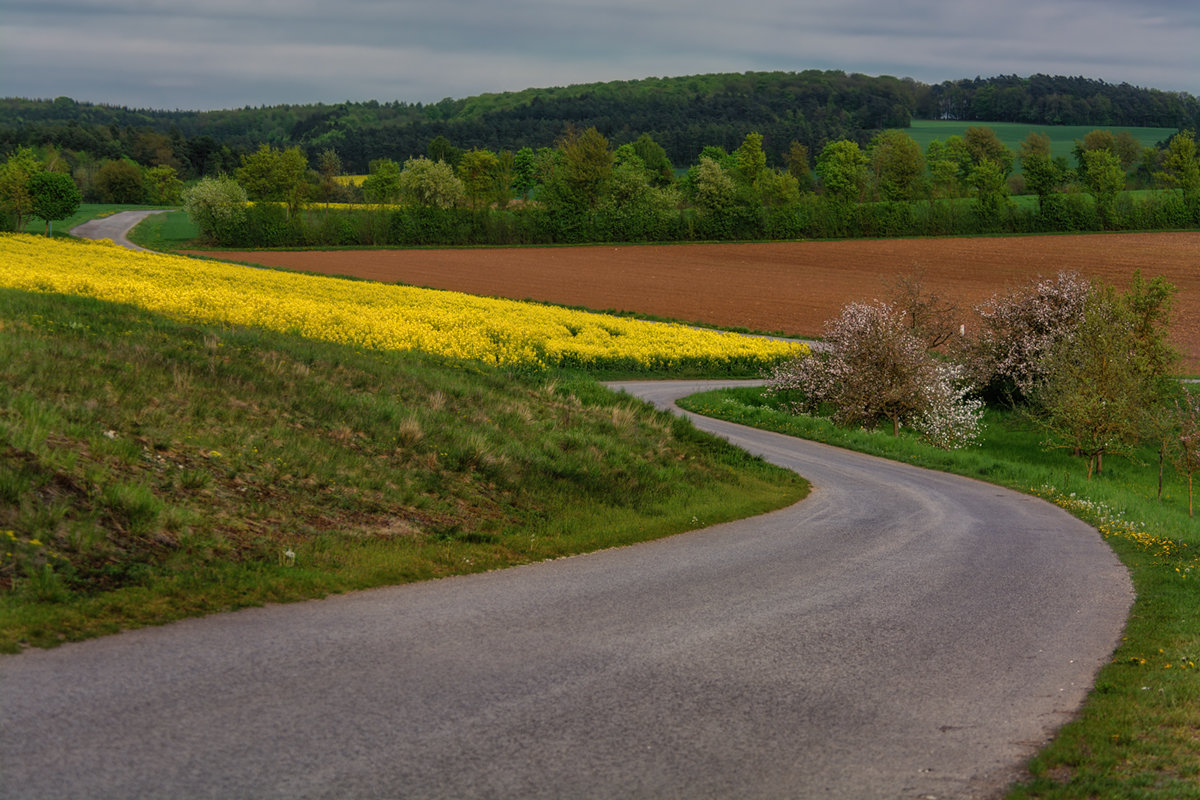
[[787, 287]]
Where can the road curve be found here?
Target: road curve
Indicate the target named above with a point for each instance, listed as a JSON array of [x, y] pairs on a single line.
[[115, 227], [900, 633]]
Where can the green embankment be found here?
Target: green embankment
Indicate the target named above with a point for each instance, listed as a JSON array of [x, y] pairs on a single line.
[[151, 470]]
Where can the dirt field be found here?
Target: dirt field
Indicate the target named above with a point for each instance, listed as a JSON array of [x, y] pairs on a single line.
[[790, 287]]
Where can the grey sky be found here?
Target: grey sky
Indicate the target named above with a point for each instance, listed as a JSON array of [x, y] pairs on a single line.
[[209, 54]]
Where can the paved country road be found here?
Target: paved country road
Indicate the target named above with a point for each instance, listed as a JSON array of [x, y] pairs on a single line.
[[898, 634], [115, 227]]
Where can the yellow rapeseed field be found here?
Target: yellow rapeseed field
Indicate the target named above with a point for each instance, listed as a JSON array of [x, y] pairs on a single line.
[[371, 315]]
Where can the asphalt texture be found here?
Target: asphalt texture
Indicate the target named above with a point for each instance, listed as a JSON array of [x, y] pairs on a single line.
[[900, 633], [115, 227]]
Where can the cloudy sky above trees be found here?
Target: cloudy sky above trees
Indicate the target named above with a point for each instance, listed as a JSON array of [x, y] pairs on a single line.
[[173, 54]]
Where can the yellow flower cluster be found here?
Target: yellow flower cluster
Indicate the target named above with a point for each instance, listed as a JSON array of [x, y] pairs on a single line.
[[373, 315], [1112, 524]]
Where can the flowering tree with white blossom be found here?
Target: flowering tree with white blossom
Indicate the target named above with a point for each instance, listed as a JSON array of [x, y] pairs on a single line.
[[1020, 327], [871, 368]]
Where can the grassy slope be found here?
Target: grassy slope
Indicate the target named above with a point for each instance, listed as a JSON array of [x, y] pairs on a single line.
[[1137, 734], [151, 470]]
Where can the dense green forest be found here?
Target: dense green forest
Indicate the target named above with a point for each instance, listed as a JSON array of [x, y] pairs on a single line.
[[683, 115], [714, 157]]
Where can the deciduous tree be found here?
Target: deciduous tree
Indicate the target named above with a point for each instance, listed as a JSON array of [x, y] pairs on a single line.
[[217, 206], [430, 184], [898, 165], [842, 166], [1017, 328], [871, 368], [479, 170], [275, 175], [1099, 382], [16, 199], [382, 185], [1104, 178], [1186, 451], [55, 197], [163, 186], [119, 181]]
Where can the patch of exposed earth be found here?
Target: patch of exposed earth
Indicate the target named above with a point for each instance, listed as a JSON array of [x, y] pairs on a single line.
[[787, 287]]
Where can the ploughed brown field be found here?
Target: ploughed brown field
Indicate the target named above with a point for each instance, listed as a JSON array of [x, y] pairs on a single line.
[[787, 287]]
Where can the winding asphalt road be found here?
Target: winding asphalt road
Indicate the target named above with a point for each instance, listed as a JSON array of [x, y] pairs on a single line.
[[898, 634], [115, 227]]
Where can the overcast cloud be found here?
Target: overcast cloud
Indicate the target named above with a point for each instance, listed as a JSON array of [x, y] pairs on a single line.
[[208, 54]]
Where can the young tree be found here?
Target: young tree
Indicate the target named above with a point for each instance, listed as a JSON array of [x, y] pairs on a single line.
[[478, 170], [524, 172], [1187, 442], [329, 167], [899, 166], [1104, 381], [55, 197], [1181, 168], [948, 164], [1042, 174], [382, 185], [842, 167], [989, 179], [796, 162], [1091, 398], [587, 165], [658, 165], [1018, 328], [713, 188], [16, 199], [441, 149], [871, 368], [276, 175], [1104, 178], [751, 161], [163, 186], [430, 184], [217, 206], [982, 144], [120, 181]]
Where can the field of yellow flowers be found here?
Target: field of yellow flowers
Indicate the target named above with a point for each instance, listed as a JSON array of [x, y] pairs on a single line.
[[372, 315]]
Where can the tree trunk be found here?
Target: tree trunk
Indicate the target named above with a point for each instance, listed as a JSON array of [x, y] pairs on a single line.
[[1162, 454]]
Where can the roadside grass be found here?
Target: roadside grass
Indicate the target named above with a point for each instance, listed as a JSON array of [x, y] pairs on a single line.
[[152, 469], [1138, 735], [167, 232]]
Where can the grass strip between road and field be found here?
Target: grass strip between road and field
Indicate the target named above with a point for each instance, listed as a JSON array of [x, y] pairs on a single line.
[[1138, 733]]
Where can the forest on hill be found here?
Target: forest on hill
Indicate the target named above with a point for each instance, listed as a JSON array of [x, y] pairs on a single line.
[[683, 115]]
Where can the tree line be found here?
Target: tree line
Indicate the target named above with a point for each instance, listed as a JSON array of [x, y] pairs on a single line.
[[682, 114], [583, 189]]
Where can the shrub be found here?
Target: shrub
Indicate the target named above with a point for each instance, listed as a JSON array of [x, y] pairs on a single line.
[[217, 206]]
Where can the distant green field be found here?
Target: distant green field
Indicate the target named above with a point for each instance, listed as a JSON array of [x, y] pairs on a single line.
[[1062, 137]]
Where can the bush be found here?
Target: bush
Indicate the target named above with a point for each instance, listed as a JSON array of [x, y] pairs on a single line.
[[217, 207]]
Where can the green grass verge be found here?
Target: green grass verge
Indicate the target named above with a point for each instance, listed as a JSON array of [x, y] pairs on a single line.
[[1138, 735], [151, 470], [168, 232]]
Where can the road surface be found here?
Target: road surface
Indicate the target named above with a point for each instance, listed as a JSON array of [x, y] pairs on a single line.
[[900, 633], [115, 227]]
